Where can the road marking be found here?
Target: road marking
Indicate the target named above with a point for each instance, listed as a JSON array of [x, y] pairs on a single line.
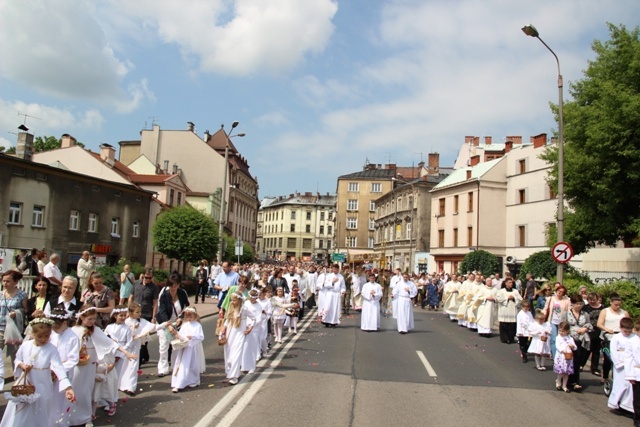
[[239, 403], [426, 364]]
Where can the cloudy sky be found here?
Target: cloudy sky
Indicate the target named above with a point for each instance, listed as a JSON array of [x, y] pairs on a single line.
[[318, 86]]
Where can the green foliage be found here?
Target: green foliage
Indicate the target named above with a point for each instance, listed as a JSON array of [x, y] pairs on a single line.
[[602, 146], [111, 273], [185, 234], [480, 260], [628, 291], [230, 252], [539, 264], [48, 143]]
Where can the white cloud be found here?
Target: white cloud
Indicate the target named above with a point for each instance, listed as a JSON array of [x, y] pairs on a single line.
[[274, 118], [59, 49], [319, 94], [255, 36], [47, 120]]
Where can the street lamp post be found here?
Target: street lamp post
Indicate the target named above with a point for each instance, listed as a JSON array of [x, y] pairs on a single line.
[[223, 202], [531, 31]]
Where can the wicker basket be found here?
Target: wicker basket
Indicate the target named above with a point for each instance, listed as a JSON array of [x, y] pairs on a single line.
[[84, 356], [222, 340], [22, 387], [179, 344], [544, 338], [568, 356]]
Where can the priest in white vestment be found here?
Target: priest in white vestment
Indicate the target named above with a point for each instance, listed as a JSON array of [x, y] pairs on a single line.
[[402, 294], [371, 294], [485, 303], [334, 287]]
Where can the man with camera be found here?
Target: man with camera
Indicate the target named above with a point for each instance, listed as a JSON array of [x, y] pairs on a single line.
[[86, 264]]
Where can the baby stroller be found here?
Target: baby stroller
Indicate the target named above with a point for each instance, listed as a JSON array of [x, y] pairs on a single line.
[[607, 383]]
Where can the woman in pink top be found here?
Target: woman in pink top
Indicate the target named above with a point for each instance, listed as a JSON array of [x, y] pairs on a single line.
[[556, 311]]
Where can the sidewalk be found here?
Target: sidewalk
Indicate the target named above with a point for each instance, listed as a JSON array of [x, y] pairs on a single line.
[[207, 309]]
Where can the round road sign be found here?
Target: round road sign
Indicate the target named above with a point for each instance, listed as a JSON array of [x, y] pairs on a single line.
[[562, 252]]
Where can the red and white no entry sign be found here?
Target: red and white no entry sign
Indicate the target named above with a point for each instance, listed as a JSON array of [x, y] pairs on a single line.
[[562, 252]]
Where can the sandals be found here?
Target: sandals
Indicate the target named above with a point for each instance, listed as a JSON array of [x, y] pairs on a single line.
[[577, 387], [566, 390], [597, 373]]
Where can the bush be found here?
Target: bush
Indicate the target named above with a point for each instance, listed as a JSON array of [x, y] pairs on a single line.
[[539, 264], [480, 261], [628, 291]]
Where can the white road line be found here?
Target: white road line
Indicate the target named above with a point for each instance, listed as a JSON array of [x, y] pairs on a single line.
[[241, 402], [426, 364]]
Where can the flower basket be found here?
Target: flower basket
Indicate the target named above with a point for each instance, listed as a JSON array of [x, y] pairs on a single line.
[[22, 387]]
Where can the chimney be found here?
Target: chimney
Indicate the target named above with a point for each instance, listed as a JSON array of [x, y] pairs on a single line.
[[191, 127], [175, 168], [391, 166], [514, 139], [539, 140], [165, 169], [468, 173], [107, 153], [434, 164], [207, 135], [508, 146], [476, 141], [67, 141], [468, 139], [474, 160], [24, 146], [487, 140]]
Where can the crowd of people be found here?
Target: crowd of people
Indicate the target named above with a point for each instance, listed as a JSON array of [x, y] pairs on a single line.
[[94, 341]]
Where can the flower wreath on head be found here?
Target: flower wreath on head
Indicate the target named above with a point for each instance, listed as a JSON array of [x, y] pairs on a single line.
[[65, 316], [80, 313], [191, 310], [119, 310], [42, 320]]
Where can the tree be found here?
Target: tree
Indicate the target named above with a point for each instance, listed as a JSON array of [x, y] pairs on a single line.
[[539, 264], [230, 252], [48, 143], [185, 234], [602, 146], [480, 261]]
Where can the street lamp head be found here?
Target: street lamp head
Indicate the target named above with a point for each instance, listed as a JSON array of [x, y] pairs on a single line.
[[530, 30], [241, 134], [235, 124]]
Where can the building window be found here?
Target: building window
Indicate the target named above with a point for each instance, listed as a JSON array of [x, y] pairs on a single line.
[[372, 206], [408, 231], [352, 223], [441, 209], [376, 187], [74, 220], [353, 187], [522, 166], [306, 243], [293, 214], [330, 230], [521, 236], [372, 224], [352, 204], [93, 223], [308, 228], [441, 238], [470, 205], [136, 229], [115, 227], [279, 242], [455, 204], [321, 229], [308, 216], [15, 209], [179, 198], [172, 192], [521, 196], [470, 235], [291, 242], [351, 242], [330, 218], [320, 244], [328, 244], [552, 194], [370, 243], [321, 216], [292, 228], [38, 216], [455, 237]]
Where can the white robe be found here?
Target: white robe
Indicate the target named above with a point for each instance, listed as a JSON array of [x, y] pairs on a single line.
[[402, 294], [486, 309], [267, 310], [106, 388], [233, 347], [450, 297], [508, 308], [129, 375], [334, 288], [320, 289], [68, 345], [462, 303], [622, 392], [357, 282], [251, 346], [84, 377], [44, 359], [394, 302], [472, 310], [370, 318], [537, 346], [632, 363], [188, 361], [122, 335]]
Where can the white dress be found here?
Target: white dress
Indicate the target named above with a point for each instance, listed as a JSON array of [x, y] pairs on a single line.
[[68, 345], [129, 375], [404, 306], [188, 361], [370, 318], [44, 359], [84, 377], [320, 282], [486, 309], [622, 392], [394, 302], [233, 347], [334, 288], [267, 309], [106, 388], [251, 346], [122, 335], [537, 346]]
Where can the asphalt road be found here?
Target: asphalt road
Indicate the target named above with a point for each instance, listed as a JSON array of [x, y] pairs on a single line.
[[348, 377]]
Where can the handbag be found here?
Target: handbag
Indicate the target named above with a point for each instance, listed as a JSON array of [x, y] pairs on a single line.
[[22, 387], [178, 344], [568, 356], [222, 340]]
